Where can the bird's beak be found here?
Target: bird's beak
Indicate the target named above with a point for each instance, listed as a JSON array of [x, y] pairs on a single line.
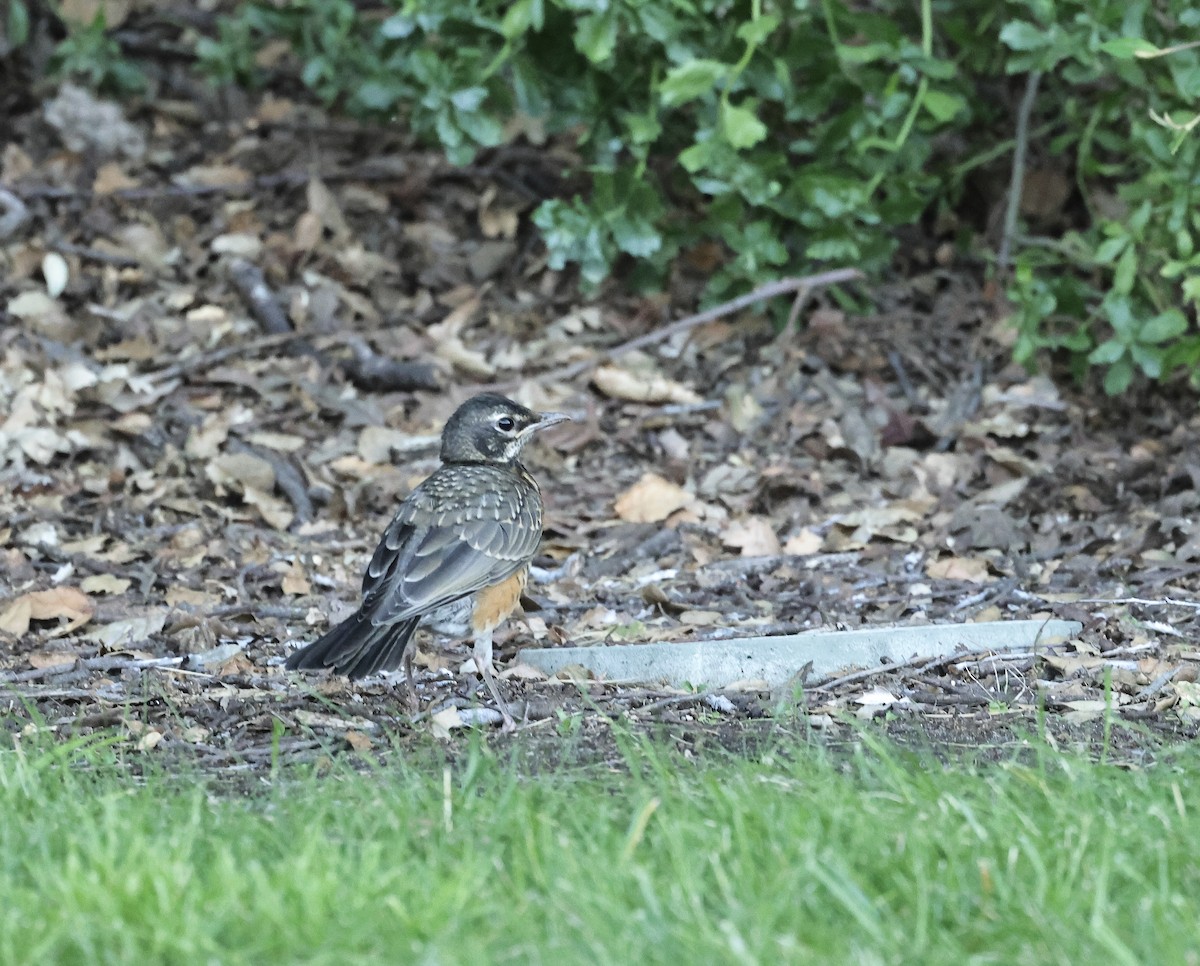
[[546, 420]]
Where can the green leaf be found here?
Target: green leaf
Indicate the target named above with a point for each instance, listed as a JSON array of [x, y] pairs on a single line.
[[1119, 312], [1119, 376], [397, 27], [1109, 249], [943, 106], [691, 80], [697, 157], [1022, 35], [1128, 48], [482, 127], [469, 98], [1107, 353], [378, 95], [1166, 325], [521, 17], [596, 36], [636, 236], [1125, 272], [754, 32], [742, 129], [18, 23], [642, 128], [1149, 359]]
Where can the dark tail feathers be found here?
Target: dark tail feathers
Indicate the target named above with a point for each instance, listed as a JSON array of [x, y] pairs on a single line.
[[356, 648]]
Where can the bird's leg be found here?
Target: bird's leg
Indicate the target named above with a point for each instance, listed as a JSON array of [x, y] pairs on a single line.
[[483, 661], [410, 684]]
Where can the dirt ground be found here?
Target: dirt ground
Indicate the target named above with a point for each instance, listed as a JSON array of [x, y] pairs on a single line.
[[226, 349]]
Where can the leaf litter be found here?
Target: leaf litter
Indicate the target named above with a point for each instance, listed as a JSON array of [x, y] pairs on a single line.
[[196, 463]]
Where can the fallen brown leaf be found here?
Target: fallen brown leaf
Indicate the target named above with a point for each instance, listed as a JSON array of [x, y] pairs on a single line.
[[651, 499], [753, 536], [44, 605], [647, 387], [971, 569]]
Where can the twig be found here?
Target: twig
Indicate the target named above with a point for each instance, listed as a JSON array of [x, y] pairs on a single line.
[[896, 361], [252, 286], [15, 213], [107, 663], [916, 663], [802, 286], [1165, 602], [1157, 684], [96, 255], [1017, 180], [365, 368], [206, 360], [287, 478], [250, 609]]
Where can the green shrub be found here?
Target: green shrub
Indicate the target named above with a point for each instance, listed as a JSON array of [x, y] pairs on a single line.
[[803, 134], [1122, 292], [88, 54]]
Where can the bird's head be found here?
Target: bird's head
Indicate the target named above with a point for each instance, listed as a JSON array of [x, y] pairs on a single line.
[[490, 428]]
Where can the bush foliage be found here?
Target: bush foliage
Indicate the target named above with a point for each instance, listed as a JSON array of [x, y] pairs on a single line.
[[804, 134]]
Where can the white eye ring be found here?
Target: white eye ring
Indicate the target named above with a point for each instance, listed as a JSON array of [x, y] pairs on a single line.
[[506, 424]]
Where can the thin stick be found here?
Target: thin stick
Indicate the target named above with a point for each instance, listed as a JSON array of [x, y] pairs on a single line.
[[1017, 179], [1164, 602], [802, 286]]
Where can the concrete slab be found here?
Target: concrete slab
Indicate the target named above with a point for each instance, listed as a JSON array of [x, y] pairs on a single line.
[[776, 660]]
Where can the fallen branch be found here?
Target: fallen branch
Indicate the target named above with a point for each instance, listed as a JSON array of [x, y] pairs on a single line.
[[917, 663], [1164, 602], [252, 286], [1017, 178], [365, 368], [801, 286]]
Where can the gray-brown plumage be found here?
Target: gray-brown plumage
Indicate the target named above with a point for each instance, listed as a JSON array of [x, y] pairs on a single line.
[[455, 555]]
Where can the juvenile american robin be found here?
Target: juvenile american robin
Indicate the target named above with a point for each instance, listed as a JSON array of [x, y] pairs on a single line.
[[455, 556]]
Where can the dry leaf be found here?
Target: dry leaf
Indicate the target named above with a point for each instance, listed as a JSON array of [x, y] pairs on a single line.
[[753, 535], [803, 544], [132, 630], [278, 513], [241, 471], [45, 605], [149, 741], [876, 697], [295, 581], [45, 659], [646, 387], [971, 569], [445, 721], [358, 741], [105, 584], [651, 499], [110, 178]]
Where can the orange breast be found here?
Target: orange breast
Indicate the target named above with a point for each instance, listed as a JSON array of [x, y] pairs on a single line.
[[493, 604]]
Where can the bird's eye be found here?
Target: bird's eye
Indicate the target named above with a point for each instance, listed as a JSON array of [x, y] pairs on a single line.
[[505, 424]]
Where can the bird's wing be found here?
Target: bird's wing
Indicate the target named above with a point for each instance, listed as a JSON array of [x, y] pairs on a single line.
[[441, 547]]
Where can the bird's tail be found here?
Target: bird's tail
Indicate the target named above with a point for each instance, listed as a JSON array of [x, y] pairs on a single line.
[[356, 648]]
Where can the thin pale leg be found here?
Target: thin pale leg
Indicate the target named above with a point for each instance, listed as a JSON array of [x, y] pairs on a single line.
[[483, 661], [410, 684]]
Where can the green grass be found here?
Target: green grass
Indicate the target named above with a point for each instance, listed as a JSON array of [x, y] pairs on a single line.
[[884, 857]]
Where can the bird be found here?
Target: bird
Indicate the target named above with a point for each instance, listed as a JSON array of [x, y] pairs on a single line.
[[456, 555]]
